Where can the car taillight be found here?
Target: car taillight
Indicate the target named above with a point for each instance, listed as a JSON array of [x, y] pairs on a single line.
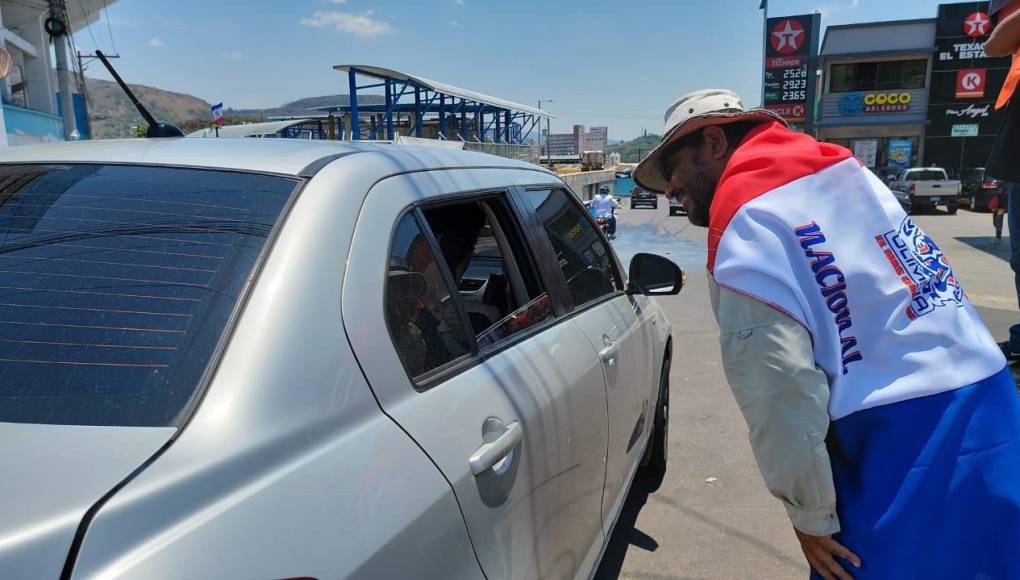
[[913, 187], [989, 185]]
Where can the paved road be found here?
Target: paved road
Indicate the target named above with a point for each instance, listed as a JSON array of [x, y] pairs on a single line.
[[711, 516]]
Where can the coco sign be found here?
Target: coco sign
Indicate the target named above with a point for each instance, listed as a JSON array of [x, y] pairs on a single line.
[[892, 102]]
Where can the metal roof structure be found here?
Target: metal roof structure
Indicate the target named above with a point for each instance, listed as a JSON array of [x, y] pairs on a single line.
[[450, 112]]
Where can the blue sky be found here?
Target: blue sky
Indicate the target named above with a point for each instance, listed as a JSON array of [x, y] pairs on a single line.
[[613, 63]]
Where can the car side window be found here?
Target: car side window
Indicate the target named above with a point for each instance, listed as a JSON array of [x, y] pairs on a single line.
[[582, 253], [497, 283], [422, 316]]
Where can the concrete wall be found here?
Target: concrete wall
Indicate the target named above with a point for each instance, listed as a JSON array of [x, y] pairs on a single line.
[[586, 184]]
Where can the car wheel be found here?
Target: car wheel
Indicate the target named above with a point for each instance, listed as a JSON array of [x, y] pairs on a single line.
[[657, 452]]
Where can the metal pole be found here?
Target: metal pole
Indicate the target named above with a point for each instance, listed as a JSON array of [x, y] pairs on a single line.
[[60, 48], [764, 44]]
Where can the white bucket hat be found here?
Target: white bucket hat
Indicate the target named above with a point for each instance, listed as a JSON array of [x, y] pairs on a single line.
[[689, 113]]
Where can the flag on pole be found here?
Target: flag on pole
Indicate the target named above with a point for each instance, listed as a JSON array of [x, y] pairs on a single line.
[[217, 113]]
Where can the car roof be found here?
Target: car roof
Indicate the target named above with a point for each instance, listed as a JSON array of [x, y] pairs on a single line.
[[298, 157]]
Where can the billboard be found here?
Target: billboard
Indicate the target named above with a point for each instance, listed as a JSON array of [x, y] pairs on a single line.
[[789, 82], [964, 84]]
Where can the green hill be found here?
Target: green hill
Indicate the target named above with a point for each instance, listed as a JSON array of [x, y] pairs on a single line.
[[634, 150], [112, 115]]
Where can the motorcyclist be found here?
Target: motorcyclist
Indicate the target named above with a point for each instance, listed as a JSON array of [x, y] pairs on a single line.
[[604, 206]]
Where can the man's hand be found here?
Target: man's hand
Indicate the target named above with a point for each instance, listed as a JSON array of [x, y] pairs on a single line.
[[819, 551]]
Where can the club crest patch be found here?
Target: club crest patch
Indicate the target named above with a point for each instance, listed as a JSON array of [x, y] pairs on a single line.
[[923, 268]]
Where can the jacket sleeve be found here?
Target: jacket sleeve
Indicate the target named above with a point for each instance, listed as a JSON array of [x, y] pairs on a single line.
[[769, 363]]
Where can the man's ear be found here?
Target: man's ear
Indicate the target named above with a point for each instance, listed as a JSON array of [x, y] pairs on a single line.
[[715, 138]]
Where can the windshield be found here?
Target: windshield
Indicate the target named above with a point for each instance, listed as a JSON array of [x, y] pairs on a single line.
[[926, 175], [116, 283]]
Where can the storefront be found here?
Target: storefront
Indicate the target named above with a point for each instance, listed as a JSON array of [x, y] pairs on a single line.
[[875, 85], [962, 119]]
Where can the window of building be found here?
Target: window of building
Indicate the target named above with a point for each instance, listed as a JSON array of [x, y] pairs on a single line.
[[878, 76], [583, 254]]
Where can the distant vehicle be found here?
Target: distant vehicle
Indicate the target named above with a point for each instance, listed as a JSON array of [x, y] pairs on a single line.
[[924, 188], [218, 370], [978, 188], [624, 174], [886, 174], [643, 198], [593, 161], [676, 208]]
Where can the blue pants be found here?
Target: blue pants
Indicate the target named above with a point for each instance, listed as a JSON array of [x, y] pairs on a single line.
[[1013, 222], [930, 487]]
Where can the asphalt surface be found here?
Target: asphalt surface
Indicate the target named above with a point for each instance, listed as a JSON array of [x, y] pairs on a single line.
[[711, 517]]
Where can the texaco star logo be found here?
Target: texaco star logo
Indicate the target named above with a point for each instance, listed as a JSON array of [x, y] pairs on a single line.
[[787, 36], [976, 25]]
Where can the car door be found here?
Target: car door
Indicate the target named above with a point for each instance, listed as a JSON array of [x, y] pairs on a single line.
[[615, 323], [505, 395]]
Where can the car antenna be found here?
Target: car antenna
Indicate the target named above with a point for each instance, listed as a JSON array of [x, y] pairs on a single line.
[[156, 129]]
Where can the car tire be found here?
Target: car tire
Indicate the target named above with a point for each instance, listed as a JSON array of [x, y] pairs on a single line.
[[657, 452]]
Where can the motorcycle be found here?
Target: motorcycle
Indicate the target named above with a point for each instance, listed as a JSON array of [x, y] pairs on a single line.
[[603, 224]]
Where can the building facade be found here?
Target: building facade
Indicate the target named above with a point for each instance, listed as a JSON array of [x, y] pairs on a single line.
[[875, 80], [962, 120], [30, 109], [916, 92], [561, 144]]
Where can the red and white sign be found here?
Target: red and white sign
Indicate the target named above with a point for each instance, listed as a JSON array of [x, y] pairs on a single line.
[[782, 62], [977, 25], [794, 113], [970, 83], [787, 36]]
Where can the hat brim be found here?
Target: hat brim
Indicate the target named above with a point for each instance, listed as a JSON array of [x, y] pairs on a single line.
[[1005, 37], [649, 175]]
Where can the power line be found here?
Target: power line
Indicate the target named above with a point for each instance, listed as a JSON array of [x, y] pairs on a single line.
[[88, 25], [109, 28]]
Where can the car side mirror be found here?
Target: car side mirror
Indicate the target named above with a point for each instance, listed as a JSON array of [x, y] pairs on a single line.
[[653, 275]]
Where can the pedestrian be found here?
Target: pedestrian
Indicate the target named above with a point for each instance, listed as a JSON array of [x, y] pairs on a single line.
[[997, 205], [881, 412], [1004, 162], [604, 206]]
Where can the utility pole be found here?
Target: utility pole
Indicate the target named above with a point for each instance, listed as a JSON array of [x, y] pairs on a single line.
[[57, 26], [548, 149], [83, 61]]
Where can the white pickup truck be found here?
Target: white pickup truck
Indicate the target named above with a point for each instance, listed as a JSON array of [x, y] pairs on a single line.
[[925, 188]]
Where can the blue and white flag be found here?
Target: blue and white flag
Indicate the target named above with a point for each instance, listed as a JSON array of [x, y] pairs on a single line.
[[217, 113]]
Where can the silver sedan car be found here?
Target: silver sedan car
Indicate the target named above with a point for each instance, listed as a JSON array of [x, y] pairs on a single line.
[[279, 359]]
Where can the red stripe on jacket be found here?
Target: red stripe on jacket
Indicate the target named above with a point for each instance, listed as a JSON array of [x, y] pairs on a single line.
[[770, 156]]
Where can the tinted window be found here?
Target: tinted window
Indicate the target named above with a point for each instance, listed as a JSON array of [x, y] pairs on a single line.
[[422, 315], [878, 76], [925, 176], [116, 283], [582, 253], [498, 285]]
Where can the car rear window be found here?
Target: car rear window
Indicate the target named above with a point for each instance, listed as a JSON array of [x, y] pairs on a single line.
[[929, 175], [116, 283]]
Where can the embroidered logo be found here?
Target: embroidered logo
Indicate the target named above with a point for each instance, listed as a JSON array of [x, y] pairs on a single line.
[[832, 286], [922, 267]]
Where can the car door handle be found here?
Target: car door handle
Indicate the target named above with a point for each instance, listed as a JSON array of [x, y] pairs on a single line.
[[489, 454], [608, 354]]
